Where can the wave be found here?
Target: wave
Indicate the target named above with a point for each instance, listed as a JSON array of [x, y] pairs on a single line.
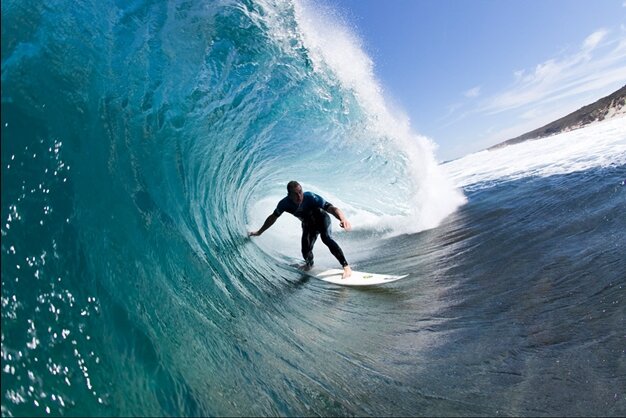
[[599, 145], [162, 131]]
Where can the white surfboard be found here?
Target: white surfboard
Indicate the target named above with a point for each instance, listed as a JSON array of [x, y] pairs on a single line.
[[358, 278]]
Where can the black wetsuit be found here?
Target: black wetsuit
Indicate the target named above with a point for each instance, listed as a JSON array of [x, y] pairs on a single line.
[[315, 221]]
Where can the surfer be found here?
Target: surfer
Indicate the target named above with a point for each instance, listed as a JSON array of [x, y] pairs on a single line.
[[312, 210]]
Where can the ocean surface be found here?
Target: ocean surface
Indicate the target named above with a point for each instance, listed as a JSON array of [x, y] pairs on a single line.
[[141, 140]]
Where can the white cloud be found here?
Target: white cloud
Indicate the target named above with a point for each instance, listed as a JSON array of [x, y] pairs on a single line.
[[530, 114], [566, 76], [473, 92], [592, 41]]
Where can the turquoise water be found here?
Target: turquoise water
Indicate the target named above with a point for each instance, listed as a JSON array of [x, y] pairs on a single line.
[[142, 140]]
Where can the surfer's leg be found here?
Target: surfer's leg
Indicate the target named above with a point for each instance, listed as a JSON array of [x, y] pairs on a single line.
[[309, 236], [334, 248]]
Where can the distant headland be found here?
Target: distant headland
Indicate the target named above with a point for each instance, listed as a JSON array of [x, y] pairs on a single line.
[[606, 108]]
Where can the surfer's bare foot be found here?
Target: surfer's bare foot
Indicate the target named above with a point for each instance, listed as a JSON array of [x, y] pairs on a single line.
[[305, 267], [347, 272]]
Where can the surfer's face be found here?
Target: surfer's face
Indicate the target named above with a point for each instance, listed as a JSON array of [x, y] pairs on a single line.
[[296, 195]]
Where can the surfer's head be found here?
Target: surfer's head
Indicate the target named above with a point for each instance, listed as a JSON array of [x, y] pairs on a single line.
[[295, 193]]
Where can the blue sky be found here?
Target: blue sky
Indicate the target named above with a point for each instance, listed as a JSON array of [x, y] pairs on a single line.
[[472, 73]]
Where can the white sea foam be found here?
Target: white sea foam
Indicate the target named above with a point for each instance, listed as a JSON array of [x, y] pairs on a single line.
[[598, 145], [332, 46]]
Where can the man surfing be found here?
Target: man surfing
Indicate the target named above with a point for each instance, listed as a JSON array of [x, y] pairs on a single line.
[[312, 210]]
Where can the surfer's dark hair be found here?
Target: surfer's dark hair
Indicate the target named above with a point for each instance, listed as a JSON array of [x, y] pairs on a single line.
[[292, 185]]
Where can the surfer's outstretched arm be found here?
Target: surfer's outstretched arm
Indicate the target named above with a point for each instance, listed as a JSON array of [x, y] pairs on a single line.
[[268, 222], [337, 213]]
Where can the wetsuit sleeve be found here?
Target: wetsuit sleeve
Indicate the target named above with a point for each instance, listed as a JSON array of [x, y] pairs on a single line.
[[320, 202], [280, 208]]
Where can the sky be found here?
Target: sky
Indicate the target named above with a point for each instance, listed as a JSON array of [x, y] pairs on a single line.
[[472, 73]]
